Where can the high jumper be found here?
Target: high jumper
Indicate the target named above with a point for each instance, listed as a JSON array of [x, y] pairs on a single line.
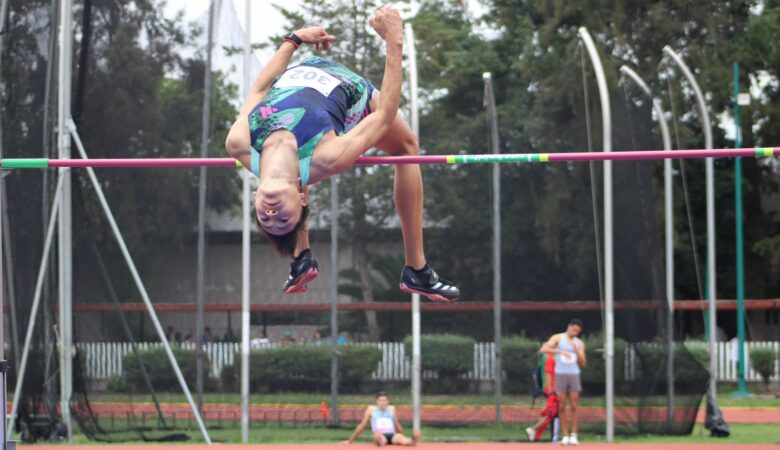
[[303, 124]]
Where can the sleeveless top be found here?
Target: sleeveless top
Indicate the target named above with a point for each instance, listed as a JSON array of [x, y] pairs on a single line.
[[309, 100], [566, 364], [382, 421]]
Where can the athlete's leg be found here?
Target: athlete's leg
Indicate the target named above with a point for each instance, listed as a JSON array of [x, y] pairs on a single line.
[[408, 186], [562, 413], [380, 440], [400, 439], [574, 397]]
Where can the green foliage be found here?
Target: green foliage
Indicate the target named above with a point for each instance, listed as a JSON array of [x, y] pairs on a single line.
[[764, 361], [653, 362], [593, 375], [304, 368], [159, 370], [519, 359], [448, 355], [116, 383]]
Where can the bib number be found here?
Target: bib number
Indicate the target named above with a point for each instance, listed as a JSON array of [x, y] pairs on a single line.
[[311, 77], [383, 424], [568, 358]]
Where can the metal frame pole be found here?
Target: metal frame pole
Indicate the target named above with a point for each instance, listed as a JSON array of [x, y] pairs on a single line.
[[710, 182], [416, 374], [245, 242], [490, 101], [65, 219], [668, 241], [138, 282], [609, 317], [334, 292]]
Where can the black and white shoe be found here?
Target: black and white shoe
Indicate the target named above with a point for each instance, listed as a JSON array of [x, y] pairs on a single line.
[[303, 269], [427, 282]]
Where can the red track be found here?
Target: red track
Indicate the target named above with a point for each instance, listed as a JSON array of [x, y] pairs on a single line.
[[295, 413], [455, 446]]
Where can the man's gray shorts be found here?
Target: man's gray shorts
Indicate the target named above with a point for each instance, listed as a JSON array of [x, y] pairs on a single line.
[[567, 383]]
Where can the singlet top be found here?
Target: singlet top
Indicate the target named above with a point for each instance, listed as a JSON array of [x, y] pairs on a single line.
[[566, 363], [309, 100], [382, 421]]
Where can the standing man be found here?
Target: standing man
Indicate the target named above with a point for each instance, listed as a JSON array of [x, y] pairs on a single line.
[[569, 353], [385, 426]]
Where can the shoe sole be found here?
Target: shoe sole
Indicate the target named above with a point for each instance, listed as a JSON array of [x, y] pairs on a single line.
[[430, 296], [300, 287]]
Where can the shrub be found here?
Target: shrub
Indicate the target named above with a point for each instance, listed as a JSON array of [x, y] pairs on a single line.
[[116, 383], [303, 368], [448, 355], [763, 361], [653, 361], [519, 359], [593, 375], [160, 371]]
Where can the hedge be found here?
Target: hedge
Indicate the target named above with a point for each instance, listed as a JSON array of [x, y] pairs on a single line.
[[520, 358], [763, 361], [303, 368], [449, 356], [160, 371]]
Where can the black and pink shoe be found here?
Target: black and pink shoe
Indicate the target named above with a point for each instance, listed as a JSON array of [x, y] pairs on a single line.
[[303, 269], [427, 282]]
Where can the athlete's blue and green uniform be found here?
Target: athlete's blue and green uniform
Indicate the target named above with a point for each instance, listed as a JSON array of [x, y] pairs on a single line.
[[306, 111]]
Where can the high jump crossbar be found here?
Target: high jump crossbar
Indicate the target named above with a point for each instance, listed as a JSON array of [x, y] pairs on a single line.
[[756, 152]]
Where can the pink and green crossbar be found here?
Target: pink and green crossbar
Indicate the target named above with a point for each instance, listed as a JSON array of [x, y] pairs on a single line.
[[758, 152]]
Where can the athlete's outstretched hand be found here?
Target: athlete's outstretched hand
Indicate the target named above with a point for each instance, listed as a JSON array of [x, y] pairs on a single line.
[[317, 36], [387, 23]]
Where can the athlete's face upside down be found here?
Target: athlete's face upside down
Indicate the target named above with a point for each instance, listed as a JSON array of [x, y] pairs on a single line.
[[279, 205]]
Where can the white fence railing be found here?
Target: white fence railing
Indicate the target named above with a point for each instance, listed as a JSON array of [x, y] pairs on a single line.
[[104, 359]]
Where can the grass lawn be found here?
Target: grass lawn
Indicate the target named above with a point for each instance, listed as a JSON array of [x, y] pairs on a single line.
[[740, 434]]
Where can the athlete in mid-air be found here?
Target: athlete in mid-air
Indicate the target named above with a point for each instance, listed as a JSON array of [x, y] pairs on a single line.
[[301, 125], [385, 426]]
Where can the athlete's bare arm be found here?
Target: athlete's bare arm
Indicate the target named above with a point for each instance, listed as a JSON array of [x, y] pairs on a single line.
[[398, 428], [581, 359], [361, 426], [238, 139], [340, 153], [551, 346]]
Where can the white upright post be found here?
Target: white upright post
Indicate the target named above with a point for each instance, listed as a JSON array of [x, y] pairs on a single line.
[[710, 184], [415, 123], [609, 294], [65, 220], [668, 239], [245, 241]]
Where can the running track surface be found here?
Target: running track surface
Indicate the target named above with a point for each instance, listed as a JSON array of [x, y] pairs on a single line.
[[423, 446], [430, 413]]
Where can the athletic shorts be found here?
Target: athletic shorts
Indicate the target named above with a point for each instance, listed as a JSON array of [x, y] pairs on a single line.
[[389, 437], [567, 383]]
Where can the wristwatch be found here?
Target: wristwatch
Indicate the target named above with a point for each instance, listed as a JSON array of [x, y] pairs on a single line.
[[294, 39]]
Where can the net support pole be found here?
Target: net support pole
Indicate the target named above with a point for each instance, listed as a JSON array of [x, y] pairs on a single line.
[[245, 241], [710, 184], [65, 272], [668, 239], [334, 292], [120, 240], [201, 268], [490, 106], [740, 249], [609, 321], [414, 114], [22, 369]]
